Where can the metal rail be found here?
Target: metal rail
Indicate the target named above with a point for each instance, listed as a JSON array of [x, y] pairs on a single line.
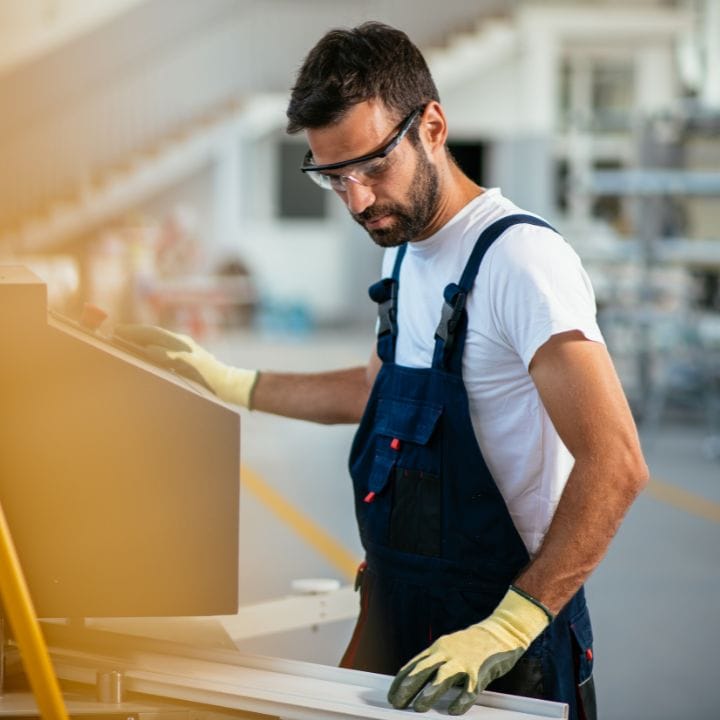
[[288, 689]]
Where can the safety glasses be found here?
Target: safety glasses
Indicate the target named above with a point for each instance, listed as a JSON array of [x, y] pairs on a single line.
[[363, 170]]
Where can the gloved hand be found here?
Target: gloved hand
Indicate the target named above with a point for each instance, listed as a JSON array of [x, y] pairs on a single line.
[[473, 657], [183, 354]]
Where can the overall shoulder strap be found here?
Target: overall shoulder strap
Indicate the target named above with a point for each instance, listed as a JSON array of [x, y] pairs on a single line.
[[450, 333], [385, 294]]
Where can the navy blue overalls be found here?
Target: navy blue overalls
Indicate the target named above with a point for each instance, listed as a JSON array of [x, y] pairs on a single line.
[[441, 547]]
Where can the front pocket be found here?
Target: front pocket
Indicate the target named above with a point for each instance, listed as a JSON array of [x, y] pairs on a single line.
[[582, 643], [400, 503], [416, 516], [582, 637], [380, 473]]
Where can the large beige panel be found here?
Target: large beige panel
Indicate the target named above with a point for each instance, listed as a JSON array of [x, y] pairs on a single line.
[[120, 482]]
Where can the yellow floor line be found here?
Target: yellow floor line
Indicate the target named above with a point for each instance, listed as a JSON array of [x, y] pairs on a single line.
[[683, 500], [338, 556]]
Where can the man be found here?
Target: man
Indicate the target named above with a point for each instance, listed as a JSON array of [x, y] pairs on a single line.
[[496, 454]]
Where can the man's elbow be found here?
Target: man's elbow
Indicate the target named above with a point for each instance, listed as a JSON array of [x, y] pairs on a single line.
[[634, 471]]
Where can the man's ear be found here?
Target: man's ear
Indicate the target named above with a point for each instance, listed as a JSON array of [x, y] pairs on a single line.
[[433, 127]]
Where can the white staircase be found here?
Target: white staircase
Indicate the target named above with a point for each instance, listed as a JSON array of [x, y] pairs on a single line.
[[145, 173], [147, 152], [491, 43]]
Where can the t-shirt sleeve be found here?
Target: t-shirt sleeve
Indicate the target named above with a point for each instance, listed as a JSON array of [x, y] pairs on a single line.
[[538, 288]]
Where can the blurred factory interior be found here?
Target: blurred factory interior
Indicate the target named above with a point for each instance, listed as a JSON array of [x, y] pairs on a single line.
[[145, 169]]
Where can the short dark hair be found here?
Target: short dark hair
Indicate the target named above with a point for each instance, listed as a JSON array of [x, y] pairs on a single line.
[[346, 67]]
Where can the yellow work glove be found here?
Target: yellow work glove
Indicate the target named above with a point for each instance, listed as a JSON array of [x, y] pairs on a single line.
[[471, 658], [183, 354]]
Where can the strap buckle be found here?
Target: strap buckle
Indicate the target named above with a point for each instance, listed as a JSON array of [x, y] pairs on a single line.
[[384, 293], [451, 315]]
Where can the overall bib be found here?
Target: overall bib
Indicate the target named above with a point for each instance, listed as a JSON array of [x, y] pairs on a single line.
[[441, 547]]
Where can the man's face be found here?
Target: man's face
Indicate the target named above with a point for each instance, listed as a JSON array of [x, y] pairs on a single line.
[[408, 219], [395, 204]]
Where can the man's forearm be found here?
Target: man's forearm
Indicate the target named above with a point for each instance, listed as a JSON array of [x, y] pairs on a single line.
[[332, 397], [582, 394], [596, 498]]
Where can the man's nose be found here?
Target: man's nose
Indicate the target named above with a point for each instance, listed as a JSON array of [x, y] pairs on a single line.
[[358, 197]]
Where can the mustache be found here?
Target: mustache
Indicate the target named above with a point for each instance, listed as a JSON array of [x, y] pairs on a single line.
[[374, 212]]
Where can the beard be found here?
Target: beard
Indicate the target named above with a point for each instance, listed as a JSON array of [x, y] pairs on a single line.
[[411, 218]]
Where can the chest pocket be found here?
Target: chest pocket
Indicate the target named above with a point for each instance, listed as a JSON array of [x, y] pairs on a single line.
[[406, 476], [405, 438], [407, 420]]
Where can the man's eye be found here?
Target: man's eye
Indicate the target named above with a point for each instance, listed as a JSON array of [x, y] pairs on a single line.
[[330, 180], [375, 169]]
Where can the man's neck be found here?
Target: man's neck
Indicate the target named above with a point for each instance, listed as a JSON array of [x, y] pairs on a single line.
[[456, 191]]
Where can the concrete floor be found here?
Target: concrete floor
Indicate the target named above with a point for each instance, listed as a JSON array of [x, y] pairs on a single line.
[[654, 599]]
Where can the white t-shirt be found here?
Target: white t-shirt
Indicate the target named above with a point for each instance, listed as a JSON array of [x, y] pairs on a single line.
[[530, 286]]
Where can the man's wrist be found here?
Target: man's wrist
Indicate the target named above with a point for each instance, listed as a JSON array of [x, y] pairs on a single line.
[[237, 386], [534, 601], [251, 392]]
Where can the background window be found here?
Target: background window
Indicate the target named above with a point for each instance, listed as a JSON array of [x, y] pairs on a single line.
[[470, 156], [298, 196]]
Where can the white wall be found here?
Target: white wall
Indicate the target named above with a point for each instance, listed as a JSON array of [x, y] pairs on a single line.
[[31, 28]]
